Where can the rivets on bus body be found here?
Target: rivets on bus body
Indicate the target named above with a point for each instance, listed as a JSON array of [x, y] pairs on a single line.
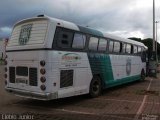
[[43, 87], [43, 79], [42, 63], [42, 71]]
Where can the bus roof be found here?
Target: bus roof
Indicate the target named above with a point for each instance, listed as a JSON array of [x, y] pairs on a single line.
[[83, 29], [95, 32]]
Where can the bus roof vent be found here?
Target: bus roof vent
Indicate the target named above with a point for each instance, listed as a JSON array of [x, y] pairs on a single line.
[[40, 15]]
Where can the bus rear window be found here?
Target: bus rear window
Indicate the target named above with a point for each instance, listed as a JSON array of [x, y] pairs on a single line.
[[29, 33]]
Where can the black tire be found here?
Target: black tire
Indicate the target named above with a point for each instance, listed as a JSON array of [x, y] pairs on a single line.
[[142, 75], [95, 87]]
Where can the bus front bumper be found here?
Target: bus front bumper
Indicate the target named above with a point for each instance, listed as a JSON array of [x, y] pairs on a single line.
[[32, 95]]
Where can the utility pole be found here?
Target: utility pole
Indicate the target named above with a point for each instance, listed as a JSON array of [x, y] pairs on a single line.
[[153, 62], [156, 41], [153, 25]]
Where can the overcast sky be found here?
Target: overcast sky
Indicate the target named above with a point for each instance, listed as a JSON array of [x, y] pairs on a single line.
[[125, 18]]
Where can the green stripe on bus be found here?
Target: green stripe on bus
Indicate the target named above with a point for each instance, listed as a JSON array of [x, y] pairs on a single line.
[[101, 65], [122, 81]]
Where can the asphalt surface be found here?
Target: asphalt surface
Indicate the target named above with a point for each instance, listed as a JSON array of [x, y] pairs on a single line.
[[136, 100]]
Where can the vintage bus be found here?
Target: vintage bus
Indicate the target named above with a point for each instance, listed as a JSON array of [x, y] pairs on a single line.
[[49, 58]]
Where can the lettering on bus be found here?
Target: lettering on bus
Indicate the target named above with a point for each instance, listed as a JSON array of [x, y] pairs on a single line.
[[71, 60], [71, 57]]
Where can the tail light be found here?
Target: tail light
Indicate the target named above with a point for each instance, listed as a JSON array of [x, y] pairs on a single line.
[[42, 63], [42, 71], [43, 79], [43, 87]]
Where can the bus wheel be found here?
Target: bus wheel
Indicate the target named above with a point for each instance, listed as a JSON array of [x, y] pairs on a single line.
[[143, 75], [95, 87]]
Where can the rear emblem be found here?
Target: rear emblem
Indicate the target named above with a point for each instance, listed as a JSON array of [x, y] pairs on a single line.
[[25, 34]]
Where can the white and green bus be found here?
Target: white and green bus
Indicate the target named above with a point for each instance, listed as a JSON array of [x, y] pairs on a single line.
[[49, 58]]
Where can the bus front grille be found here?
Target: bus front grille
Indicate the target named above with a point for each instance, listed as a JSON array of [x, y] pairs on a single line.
[[33, 77], [12, 74]]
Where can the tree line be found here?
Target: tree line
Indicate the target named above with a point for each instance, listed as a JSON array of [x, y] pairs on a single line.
[[149, 43]]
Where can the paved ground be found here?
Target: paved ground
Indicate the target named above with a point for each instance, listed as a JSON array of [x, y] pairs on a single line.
[[138, 100]]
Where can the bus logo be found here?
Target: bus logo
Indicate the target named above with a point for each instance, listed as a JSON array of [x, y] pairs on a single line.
[[25, 34], [71, 57], [128, 66]]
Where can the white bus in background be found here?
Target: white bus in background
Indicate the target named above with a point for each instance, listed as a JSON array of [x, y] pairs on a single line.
[[48, 58]]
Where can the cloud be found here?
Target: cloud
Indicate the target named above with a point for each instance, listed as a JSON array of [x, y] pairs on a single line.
[[127, 34], [5, 31], [131, 16]]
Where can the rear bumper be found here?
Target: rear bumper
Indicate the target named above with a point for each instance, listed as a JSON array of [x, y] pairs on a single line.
[[32, 95]]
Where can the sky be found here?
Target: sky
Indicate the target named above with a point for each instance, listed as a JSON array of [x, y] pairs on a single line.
[[124, 18]]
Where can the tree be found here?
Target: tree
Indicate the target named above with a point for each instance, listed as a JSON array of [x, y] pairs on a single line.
[[148, 42]]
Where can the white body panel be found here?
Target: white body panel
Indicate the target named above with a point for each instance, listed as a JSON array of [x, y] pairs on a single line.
[[54, 64], [119, 62], [80, 67]]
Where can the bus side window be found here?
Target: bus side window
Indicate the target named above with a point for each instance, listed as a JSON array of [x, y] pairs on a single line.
[[102, 45], [135, 49], [128, 48], [116, 47], [111, 43], [139, 50], [124, 48], [79, 41], [93, 43], [64, 39], [144, 55]]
